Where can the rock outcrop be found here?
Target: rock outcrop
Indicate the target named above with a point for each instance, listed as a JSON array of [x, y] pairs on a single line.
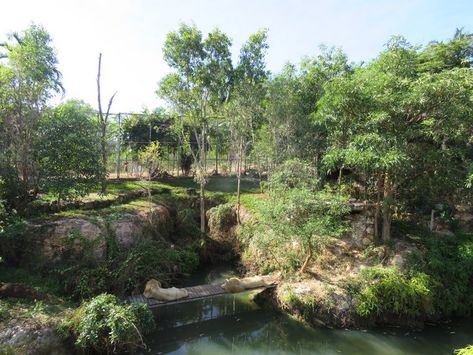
[[88, 237]]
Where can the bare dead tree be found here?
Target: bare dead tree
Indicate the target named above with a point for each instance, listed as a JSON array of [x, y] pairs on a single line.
[[103, 120]]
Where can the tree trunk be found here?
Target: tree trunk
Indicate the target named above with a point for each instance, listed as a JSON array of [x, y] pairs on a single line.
[[376, 211], [340, 173], [203, 171], [202, 207], [104, 159], [306, 262], [387, 201], [238, 188]]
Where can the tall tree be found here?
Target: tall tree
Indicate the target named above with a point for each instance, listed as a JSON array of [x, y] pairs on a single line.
[[292, 100], [28, 78], [399, 128], [245, 109], [68, 151], [196, 90]]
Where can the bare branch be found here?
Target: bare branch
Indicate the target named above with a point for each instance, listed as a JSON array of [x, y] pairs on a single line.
[[109, 106], [98, 89]]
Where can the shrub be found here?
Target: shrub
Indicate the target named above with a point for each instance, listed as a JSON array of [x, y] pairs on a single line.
[[125, 270], [297, 222], [69, 156], [222, 216], [389, 291], [104, 325], [468, 350], [449, 263], [153, 259], [293, 173]]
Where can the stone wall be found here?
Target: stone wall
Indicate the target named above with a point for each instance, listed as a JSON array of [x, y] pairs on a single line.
[[362, 224]]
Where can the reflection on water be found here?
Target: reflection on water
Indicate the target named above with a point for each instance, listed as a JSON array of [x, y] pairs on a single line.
[[203, 310], [233, 324], [263, 332]]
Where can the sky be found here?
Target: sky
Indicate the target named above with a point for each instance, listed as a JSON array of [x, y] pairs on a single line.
[[130, 34]]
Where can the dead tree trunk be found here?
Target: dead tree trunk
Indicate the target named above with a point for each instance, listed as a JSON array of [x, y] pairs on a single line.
[[103, 120]]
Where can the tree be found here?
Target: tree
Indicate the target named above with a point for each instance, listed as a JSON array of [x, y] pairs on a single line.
[[196, 90], [368, 123], [296, 213], [402, 131], [245, 109], [69, 156], [292, 101], [28, 79], [150, 158]]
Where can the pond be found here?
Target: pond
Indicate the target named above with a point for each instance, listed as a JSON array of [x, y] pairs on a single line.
[[234, 324]]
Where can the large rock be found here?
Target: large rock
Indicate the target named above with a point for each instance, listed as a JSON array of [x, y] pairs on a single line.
[[222, 243], [81, 238], [71, 234], [152, 222], [362, 228]]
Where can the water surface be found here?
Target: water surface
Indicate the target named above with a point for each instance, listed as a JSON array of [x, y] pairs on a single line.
[[234, 324]]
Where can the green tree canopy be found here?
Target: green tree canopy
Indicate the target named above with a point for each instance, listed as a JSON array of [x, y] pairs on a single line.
[[68, 150]]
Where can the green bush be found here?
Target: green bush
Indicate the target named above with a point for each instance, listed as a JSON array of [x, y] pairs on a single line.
[[293, 225], [389, 291], [449, 263], [104, 325], [125, 270], [468, 350], [153, 259], [291, 174], [222, 216]]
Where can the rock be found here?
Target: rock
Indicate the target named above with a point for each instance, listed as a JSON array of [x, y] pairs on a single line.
[[56, 242], [153, 222], [397, 260], [18, 291], [445, 233], [127, 229], [34, 338], [366, 241]]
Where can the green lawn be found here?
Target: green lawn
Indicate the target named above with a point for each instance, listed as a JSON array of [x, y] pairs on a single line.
[[225, 185], [219, 188]]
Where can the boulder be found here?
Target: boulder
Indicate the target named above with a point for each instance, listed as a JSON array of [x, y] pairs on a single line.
[[70, 234], [15, 290], [63, 237], [153, 222]]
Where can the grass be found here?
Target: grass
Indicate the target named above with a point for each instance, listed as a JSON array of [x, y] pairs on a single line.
[[218, 188], [178, 185], [24, 309]]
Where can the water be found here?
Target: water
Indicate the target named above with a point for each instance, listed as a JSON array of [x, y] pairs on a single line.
[[233, 324]]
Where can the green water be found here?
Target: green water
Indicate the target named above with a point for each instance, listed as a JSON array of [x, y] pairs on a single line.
[[235, 325]]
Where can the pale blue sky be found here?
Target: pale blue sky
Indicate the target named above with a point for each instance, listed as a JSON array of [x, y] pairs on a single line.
[[130, 34]]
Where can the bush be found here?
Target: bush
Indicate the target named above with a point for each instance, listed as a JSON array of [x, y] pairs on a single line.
[[465, 351], [153, 259], [222, 217], [449, 263], [291, 174], [69, 155], [104, 325], [388, 291], [126, 271], [294, 223]]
